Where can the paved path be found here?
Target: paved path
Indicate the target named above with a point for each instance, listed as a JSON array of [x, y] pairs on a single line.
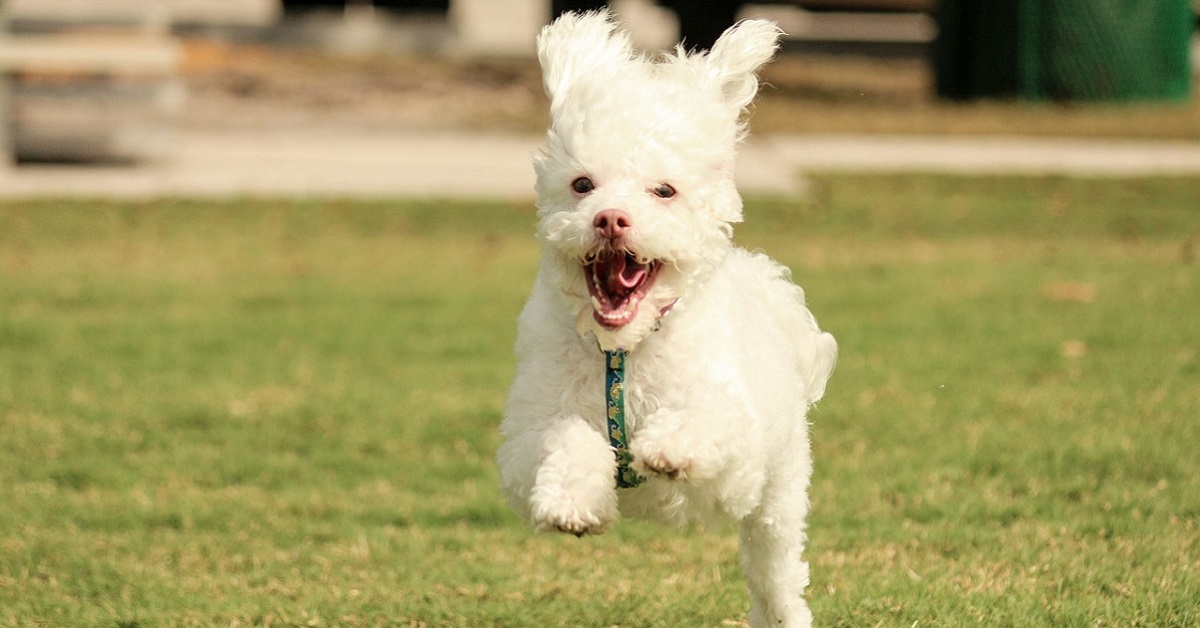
[[361, 163]]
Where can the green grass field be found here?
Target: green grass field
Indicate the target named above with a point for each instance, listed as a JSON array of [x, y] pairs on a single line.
[[278, 412]]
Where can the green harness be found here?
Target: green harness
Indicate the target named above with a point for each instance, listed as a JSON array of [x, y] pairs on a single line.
[[614, 380], [614, 384]]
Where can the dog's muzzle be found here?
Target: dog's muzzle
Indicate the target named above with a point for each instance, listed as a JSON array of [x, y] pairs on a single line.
[[618, 281]]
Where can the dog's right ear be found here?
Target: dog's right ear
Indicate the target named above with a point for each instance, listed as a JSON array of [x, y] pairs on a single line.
[[577, 44]]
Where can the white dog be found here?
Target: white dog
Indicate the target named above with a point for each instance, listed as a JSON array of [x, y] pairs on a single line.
[[653, 352]]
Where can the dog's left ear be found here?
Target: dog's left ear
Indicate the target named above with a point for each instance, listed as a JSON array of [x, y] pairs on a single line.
[[736, 57]]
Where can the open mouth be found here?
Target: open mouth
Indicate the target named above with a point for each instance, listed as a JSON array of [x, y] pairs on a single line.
[[618, 281]]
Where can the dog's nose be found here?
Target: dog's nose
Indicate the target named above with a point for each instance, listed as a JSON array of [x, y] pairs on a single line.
[[612, 224]]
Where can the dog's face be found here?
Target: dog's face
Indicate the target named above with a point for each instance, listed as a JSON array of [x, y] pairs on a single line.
[[635, 184]]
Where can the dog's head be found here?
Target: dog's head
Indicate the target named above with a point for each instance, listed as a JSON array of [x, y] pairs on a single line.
[[636, 199]]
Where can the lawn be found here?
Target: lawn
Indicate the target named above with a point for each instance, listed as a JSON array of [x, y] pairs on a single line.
[[283, 412]]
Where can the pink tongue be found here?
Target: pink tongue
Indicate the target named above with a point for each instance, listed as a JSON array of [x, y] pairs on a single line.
[[619, 275]]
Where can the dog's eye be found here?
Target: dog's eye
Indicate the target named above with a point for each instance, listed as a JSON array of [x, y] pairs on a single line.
[[582, 185], [664, 191]]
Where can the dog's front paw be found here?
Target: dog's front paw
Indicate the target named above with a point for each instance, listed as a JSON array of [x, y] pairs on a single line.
[[579, 527], [572, 520], [574, 490], [674, 454], [659, 463]]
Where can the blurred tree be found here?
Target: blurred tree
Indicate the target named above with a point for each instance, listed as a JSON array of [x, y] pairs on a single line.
[[701, 23]]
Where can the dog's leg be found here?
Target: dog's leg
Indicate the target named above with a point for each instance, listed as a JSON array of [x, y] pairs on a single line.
[[772, 540], [665, 446], [776, 574], [573, 487]]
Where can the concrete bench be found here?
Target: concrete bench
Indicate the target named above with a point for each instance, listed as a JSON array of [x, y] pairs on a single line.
[[81, 99], [86, 80], [98, 80], [66, 54]]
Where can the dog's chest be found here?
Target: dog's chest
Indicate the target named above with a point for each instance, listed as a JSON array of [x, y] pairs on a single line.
[[648, 386]]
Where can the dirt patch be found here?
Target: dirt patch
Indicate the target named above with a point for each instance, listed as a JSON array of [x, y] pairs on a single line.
[[264, 86], [252, 85]]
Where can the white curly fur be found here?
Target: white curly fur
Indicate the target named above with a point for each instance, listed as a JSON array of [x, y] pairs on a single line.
[[718, 390]]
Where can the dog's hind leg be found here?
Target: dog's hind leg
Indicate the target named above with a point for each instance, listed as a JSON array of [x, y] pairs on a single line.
[[772, 543]]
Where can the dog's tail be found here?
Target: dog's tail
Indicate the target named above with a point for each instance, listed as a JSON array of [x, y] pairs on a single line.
[[814, 351], [818, 355]]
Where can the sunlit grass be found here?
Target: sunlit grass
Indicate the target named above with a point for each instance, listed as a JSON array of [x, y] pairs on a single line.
[[284, 412]]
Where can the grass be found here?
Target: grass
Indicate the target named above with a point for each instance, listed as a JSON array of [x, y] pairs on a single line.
[[281, 412]]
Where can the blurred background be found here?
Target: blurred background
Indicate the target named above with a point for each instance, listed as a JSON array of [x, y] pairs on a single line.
[[195, 95]]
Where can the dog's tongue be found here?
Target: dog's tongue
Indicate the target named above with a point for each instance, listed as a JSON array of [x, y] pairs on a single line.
[[619, 274]]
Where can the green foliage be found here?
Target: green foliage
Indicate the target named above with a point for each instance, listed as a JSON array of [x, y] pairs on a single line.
[[284, 412]]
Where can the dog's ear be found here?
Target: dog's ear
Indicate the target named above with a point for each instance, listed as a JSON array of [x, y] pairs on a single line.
[[577, 44], [736, 57]]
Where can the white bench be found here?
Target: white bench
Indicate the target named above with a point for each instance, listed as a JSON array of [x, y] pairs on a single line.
[[87, 80], [98, 80]]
